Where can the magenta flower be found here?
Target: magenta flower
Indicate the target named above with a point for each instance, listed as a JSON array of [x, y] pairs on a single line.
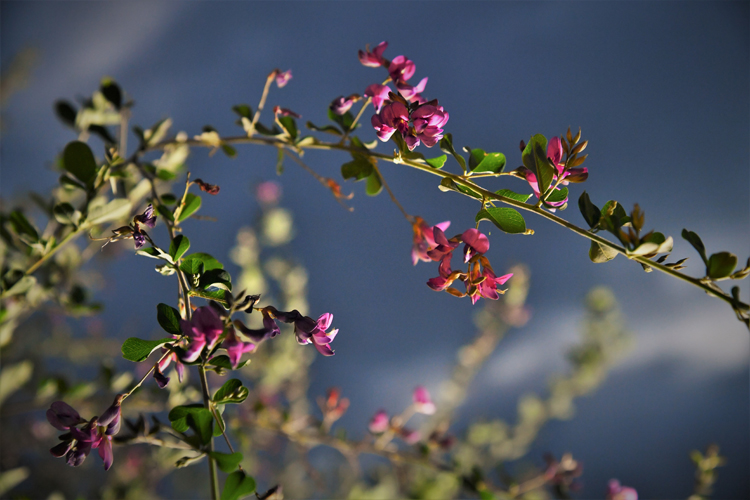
[[379, 94], [476, 243], [373, 59], [428, 120], [487, 286], [268, 192], [342, 104], [554, 153], [446, 278], [617, 492], [410, 436], [279, 111], [411, 93], [401, 69], [236, 347], [443, 246], [283, 77], [379, 423], [309, 331], [96, 433], [424, 239], [203, 330], [393, 117], [422, 401]]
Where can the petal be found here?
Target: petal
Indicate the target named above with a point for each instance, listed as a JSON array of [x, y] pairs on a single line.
[[476, 240], [105, 451], [180, 370], [161, 379], [324, 321], [61, 449], [194, 350], [554, 151], [324, 349]]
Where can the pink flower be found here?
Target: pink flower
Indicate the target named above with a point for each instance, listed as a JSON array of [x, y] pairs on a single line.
[[444, 280], [268, 192], [410, 436], [422, 402], [342, 104], [378, 93], [617, 492], [373, 59], [444, 245], [476, 243], [424, 239], [487, 288], [379, 422], [409, 92], [203, 330], [401, 69], [309, 331], [282, 78], [428, 120], [279, 111], [393, 117], [554, 153], [236, 347]]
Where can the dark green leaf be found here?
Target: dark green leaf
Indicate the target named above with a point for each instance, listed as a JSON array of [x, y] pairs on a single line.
[[374, 184], [216, 277], [590, 212], [360, 168], [599, 253], [449, 185], [65, 214], [22, 226], [202, 424], [697, 243], [229, 150], [165, 175], [523, 198], [492, 162], [179, 245], [289, 125], [178, 416], [165, 212], [262, 129], [66, 113], [446, 146], [135, 349], [558, 195], [243, 110], [436, 162], [720, 265], [237, 485], [231, 392], [475, 157], [169, 319], [537, 141], [329, 129], [506, 218], [192, 204], [225, 461], [79, 161], [168, 199], [192, 263], [222, 361], [103, 134], [111, 92]]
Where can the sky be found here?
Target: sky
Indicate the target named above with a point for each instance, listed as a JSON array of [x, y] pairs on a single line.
[[660, 90]]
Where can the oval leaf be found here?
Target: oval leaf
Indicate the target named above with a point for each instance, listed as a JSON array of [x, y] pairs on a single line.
[[169, 319], [227, 462], [231, 392], [237, 485], [506, 218], [523, 198], [179, 246], [600, 254], [192, 204], [79, 161], [720, 265], [135, 349], [492, 162]]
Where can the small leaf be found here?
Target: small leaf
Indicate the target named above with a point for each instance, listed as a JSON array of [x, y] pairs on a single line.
[[237, 485], [117, 209], [243, 110], [192, 204], [135, 349], [22, 226], [217, 278], [165, 212], [226, 462], [111, 92], [329, 129], [590, 212], [178, 416], [507, 193], [178, 247], [696, 242], [169, 319], [66, 113], [202, 424], [289, 125], [475, 157], [449, 185], [446, 145], [506, 218], [65, 214], [229, 150], [13, 377], [231, 392], [357, 169], [600, 254], [558, 195], [720, 265], [436, 162], [193, 262], [79, 161], [222, 361], [492, 162], [374, 184]]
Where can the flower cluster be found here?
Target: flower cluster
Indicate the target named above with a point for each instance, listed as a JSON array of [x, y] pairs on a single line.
[[431, 244], [416, 119], [381, 424], [555, 155], [84, 435]]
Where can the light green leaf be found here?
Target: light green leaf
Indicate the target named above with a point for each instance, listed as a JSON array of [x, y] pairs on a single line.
[[720, 265], [135, 349], [599, 253], [225, 461], [192, 204], [117, 209], [374, 184], [10, 478], [13, 377], [523, 198], [492, 162], [506, 218], [436, 162]]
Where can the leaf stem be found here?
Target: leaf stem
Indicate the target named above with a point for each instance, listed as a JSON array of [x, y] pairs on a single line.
[[211, 461]]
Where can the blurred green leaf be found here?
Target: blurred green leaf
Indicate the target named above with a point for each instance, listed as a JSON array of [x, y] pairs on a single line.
[[21, 286], [13, 377], [374, 184], [65, 214], [600, 254], [10, 478], [229, 150], [243, 110], [329, 129], [111, 92], [79, 161], [192, 204], [135, 349], [697, 243], [290, 125], [117, 209], [225, 461], [359, 168], [66, 113], [237, 485], [22, 226], [506, 218], [720, 265]]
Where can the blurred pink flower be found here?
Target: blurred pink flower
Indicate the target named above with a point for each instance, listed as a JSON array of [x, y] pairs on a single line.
[[422, 401]]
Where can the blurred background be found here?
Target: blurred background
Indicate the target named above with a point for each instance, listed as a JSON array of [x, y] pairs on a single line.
[[660, 90]]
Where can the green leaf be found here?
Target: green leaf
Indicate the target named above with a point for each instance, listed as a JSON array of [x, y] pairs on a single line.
[[374, 184], [193, 262], [79, 161], [237, 485], [66, 113], [523, 198], [558, 195], [590, 212], [154, 254], [10, 478], [165, 175], [360, 168], [111, 92], [217, 278], [178, 416], [506, 218], [169, 319], [192, 204], [13, 377], [231, 392], [492, 162], [697, 243], [720, 265], [221, 426], [65, 214], [226, 462], [135, 349], [222, 361], [449, 185], [289, 125], [446, 146], [178, 247], [202, 424], [168, 199], [165, 212], [22, 226], [23, 285], [243, 110], [600, 254], [436, 162], [329, 129], [229, 150], [217, 295], [345, 121], [475, 157], [117, 209]]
